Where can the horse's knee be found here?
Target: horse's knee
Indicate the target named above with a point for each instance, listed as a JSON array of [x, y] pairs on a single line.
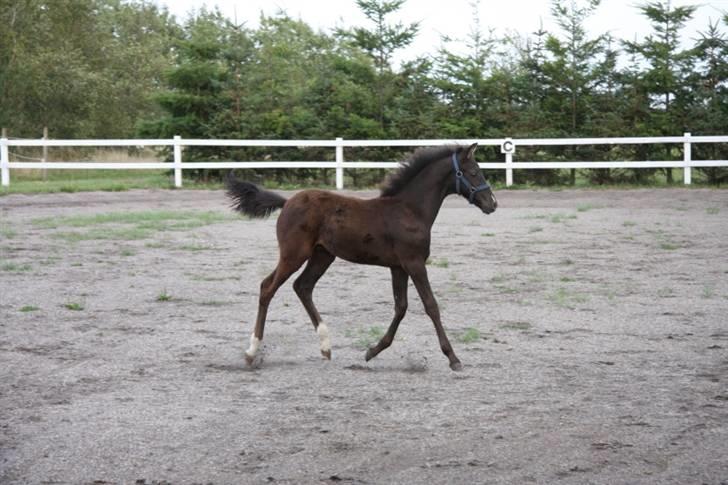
[[265, 296]]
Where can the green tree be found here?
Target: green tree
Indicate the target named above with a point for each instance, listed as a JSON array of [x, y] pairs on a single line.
[[83, 68], [465, 83], [574, 72], [380, 43], [709, 83], [668, 66]]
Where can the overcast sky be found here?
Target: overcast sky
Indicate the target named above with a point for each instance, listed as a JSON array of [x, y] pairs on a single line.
[[454, 17]]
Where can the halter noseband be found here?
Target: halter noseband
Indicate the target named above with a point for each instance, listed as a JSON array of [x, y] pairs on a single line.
[[460, 178]]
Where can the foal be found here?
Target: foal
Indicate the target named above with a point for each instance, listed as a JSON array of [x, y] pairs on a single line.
[[392, 230]]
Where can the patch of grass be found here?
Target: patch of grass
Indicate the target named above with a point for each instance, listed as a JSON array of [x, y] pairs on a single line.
[[76, 307], [195, 247], [558, 218], [164, 296], [567, 299], [521, 326], [498, 279], [585, 207], [712, 210], [69, 181], [487, 234], [216, 303], [365, 338], [629, 223], [470, 335], [50, 260], [214, 278], [127, 252], [708, 292], [665, 293], [669, 246], [533, 229], [123, 234], [29, 308], [6, 232], [438, 263], [15, 268], [157, 220], [535, 276], [566, 262], [129, 226], [566, 279]]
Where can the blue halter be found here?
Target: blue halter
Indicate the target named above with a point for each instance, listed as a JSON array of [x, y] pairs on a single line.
[[460, 178]]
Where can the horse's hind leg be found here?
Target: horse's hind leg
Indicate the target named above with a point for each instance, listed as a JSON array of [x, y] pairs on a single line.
[[399, 288], [304, 284], [286, 267]]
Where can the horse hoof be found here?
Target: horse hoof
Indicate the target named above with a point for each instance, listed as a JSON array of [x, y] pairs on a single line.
[[456, 366], [370, 354], [254, 361], [326, 354]]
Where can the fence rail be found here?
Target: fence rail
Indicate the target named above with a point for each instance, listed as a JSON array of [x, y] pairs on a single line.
[[507, 145]]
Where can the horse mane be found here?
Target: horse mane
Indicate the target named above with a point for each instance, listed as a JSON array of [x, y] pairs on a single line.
[[421, 158]]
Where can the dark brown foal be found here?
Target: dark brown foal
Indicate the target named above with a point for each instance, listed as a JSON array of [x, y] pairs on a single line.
[[392, 230]]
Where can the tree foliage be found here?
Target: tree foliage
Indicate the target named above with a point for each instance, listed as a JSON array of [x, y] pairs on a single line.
[[124, 68]]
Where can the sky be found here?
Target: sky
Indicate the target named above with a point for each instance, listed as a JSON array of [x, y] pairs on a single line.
[[455, 18]]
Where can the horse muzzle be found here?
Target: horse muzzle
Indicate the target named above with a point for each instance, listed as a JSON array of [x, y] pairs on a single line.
[[488, 207]]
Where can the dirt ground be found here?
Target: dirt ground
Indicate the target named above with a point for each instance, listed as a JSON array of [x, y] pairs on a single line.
[[593, 326]]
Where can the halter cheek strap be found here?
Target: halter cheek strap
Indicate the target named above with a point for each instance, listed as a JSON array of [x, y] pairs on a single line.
[[460, 178]]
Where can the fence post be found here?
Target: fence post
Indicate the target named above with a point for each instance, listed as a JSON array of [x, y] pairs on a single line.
[[687, 158], [339, 163], [177, 162], [4, 162], [44, 159], [507, 148], [509, 171]]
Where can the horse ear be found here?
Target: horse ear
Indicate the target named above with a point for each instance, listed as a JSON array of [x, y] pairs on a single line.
[[471, 150]]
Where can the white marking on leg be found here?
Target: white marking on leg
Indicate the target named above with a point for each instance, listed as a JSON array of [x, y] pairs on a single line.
[[254, 344], [323, 332]]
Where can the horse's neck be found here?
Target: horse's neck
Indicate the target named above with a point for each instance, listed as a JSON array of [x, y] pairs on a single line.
[[426, 192]]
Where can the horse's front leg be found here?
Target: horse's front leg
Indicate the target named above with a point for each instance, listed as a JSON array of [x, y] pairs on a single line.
[[399, 288], [418, 273]]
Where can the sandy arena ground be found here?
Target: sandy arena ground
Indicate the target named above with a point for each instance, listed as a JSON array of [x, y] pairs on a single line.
[[593, 326]]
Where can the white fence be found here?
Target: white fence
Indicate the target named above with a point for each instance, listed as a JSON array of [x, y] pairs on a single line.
[[508, 148]]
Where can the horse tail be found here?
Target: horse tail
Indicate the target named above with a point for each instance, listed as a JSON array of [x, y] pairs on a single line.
[[251, 200]]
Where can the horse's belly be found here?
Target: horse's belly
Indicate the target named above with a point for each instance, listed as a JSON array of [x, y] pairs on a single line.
[[364, 251], [368, 258]]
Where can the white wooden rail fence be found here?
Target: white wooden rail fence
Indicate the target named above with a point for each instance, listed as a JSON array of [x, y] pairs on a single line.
[[508, 148]]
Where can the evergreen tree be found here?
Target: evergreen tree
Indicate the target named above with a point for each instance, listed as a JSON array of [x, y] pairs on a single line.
[[667, 71], [709, 83], [465, 84], [574, 72], [380, 43]]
